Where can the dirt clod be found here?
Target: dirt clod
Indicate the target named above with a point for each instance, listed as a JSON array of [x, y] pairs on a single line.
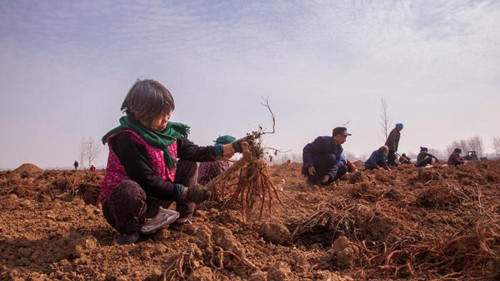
[[274, 233], [278, 272]]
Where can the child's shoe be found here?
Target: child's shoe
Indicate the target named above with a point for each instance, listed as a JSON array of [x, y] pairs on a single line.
[[163, 218]]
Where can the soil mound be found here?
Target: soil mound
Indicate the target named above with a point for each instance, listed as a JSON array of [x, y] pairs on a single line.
[[28, 168]]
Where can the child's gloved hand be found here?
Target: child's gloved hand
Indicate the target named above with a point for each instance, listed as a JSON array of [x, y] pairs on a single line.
[[238, 144], [198, 194]]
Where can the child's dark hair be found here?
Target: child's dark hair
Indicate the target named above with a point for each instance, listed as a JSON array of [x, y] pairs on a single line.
[[148, 99]]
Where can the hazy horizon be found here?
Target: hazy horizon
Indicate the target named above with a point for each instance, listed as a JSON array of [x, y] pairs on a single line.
[[66, 67]]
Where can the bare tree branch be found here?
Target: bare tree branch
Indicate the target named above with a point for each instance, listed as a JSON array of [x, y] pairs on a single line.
[[266, 104], [496, 145], [384, 118], [82, 152], [476, 144], [89, 150]]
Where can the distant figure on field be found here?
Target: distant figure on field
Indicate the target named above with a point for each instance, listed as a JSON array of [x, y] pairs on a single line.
[[403, 159], [92, 168], [392, 143], [75, 165], [348, 163], [322, 158], [455, 159], [424, 158], [378, 159], [207, 171]]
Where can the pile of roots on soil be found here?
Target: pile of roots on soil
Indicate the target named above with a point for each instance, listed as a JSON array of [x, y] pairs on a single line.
[[446, 196], [248, 181], [447, 230]]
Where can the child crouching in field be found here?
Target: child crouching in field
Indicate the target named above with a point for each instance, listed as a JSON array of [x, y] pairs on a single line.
[[152, 164]]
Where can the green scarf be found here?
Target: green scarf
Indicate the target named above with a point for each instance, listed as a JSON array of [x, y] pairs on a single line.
[[162, 139]]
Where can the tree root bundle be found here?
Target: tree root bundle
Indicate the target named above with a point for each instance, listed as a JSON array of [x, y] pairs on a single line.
[[246, 182]]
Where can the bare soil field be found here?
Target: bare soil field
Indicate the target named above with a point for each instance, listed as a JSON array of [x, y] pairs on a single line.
[[439, 223]]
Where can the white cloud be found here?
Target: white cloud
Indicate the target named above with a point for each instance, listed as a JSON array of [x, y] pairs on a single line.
[[320, 62]]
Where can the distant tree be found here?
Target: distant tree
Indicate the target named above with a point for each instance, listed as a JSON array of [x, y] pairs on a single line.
[[363, 157], [296, 157], [384, 118], [476, 144], [451, 147], [412, 155], [462, 144], [82, 152], [436, 152], [496, 145], [350, 156], [89, 150]]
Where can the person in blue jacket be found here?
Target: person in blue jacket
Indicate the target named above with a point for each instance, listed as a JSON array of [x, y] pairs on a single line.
[[378, 159], [322, 157]]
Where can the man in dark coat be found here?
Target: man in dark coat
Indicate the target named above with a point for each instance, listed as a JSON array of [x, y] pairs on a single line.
[[392, 143], [322, 157], [455, 159], [424, 158]]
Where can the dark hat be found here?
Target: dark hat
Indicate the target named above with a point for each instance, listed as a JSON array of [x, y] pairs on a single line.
[[457, 150], [423, 148], [340, 131]]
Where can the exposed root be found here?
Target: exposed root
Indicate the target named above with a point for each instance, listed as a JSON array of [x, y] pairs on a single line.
[[178, 266], [217, 260]]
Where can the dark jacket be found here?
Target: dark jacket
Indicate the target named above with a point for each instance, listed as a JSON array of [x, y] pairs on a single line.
[[321, 146], [455, 159], [392, 141], [422, 156], [404, 159], [134, 158], [376, 160]]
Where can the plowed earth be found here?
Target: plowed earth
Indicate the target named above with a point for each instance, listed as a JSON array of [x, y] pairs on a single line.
[[415, 224]]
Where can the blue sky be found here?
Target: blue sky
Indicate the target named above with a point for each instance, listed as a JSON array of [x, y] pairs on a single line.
[[66, 67]]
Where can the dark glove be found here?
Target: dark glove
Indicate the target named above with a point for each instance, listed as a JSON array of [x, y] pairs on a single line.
[[237, 145], [198, 194]]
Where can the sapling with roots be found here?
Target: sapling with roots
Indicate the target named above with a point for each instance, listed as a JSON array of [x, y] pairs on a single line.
[[248, 180]]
